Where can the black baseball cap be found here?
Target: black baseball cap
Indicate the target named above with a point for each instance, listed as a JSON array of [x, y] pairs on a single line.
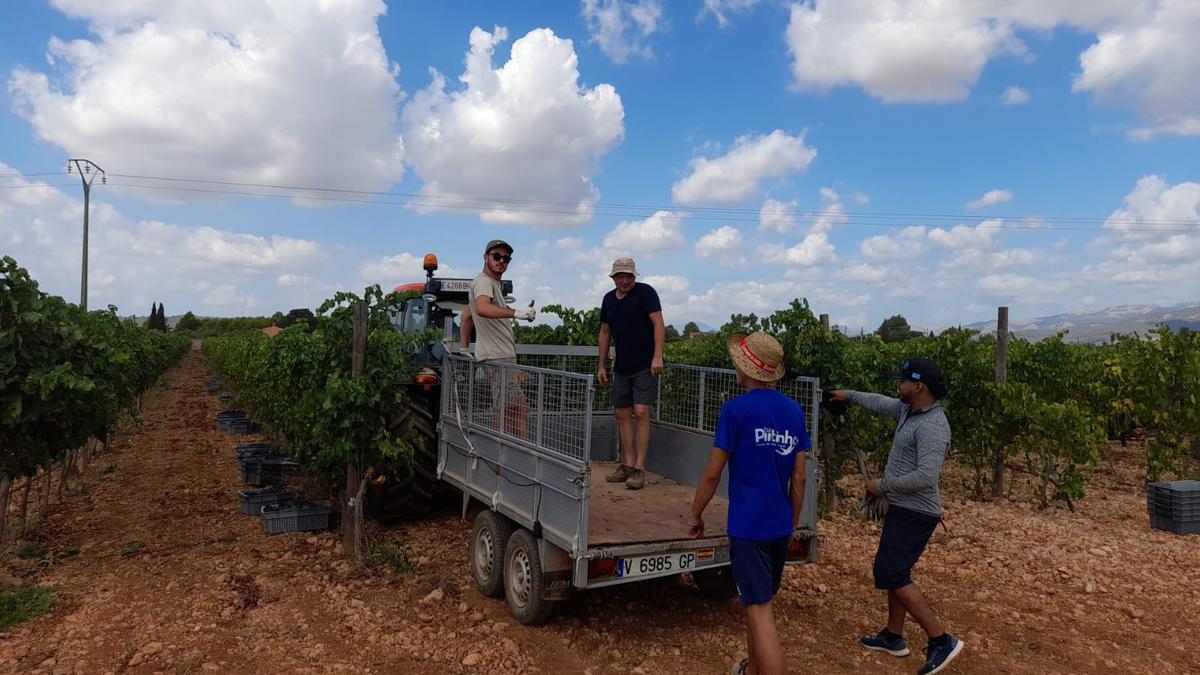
[[924, 371], [498, 243]]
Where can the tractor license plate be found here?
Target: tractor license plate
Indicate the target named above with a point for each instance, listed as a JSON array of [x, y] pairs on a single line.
[[662, 563], [456, 285]]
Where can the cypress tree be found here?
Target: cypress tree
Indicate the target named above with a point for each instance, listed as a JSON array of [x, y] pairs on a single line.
[[162, 317], [153, 315]]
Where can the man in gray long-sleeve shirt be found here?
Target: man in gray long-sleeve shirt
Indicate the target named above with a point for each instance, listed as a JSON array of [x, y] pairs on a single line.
[[910, 482]]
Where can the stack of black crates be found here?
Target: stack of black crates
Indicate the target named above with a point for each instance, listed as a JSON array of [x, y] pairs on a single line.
[[1174, 506]]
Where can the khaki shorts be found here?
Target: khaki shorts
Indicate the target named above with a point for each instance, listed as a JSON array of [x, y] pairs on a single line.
[[505, 384]]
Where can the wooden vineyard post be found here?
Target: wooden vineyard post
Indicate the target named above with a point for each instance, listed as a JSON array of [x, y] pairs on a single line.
[[1001, 377], [46, 486], [25, 503], [827, 488], [352, 494], [5, 485]]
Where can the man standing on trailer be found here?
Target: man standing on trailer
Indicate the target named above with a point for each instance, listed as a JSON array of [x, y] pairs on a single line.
[[910, 483], [492, 318], [631, 317], [763, 436]]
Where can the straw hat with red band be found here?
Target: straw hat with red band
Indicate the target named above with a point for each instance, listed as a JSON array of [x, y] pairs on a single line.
[[758, 355]]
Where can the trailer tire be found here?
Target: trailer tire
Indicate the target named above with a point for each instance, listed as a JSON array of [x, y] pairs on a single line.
[[716, 583], [489, 536], [524, 582]]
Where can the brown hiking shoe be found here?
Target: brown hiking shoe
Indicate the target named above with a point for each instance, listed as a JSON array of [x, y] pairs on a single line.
[[620, 475], [636, 480]]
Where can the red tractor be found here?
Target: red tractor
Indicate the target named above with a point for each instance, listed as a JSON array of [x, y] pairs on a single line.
[[407, 491]]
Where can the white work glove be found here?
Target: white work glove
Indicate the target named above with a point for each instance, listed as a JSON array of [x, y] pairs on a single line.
[[525, 313]]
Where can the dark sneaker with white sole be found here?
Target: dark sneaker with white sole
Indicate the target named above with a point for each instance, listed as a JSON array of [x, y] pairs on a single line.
[[881, 642], [937, 657]]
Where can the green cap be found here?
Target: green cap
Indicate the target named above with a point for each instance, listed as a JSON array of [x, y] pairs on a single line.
[[497, 243]]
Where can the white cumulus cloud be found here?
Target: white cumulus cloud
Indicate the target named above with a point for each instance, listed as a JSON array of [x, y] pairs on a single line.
[[244, 90], [525, 131], [736, 175], [920, 51], [777, 216], [1150, 60], [720, 242], [991, 198], [898, 50], [620, 28], [964, 236], [662, 231], [813, 250], [401, 268], [1153, 204], [1014, 95]]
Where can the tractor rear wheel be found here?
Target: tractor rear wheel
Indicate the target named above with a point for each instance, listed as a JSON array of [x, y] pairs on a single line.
[[406, 490]]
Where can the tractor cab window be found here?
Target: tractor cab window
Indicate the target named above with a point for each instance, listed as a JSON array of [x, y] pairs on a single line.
[[415, 316], [397, 318]]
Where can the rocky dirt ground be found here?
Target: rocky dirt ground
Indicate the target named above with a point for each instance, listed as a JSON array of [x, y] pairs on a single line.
[[158, 572]]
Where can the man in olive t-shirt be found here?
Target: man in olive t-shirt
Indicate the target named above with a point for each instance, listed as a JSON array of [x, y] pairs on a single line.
[[494, 342]]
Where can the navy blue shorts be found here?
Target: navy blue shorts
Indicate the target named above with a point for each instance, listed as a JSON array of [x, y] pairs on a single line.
[[905, 534], [757, 567]]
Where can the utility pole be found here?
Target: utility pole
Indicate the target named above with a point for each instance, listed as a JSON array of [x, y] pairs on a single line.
[[88, 170]]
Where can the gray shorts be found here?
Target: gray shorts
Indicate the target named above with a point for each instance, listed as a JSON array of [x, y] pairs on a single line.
[[505, 384], [640, 388]]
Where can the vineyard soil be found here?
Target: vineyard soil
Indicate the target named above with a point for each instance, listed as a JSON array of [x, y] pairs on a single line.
[[168, 577]]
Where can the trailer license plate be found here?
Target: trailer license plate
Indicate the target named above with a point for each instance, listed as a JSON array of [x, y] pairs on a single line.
[[663, 563]]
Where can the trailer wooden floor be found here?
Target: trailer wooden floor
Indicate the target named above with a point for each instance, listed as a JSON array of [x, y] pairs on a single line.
[[657, 512]]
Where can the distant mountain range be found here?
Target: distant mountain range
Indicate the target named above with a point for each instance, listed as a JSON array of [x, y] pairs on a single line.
[[1092, 326]]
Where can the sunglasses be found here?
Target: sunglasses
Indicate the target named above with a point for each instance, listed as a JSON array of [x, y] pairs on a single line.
[[500, 257]]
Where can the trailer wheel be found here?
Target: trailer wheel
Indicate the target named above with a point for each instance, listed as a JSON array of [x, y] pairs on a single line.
[[717, 583], [524, 582], [488, 537]]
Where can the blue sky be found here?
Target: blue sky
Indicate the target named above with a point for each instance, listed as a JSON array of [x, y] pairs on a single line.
[[934, 160]]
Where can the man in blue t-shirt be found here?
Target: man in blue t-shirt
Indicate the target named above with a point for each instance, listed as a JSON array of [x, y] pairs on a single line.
[[763, 437], [631, 317]]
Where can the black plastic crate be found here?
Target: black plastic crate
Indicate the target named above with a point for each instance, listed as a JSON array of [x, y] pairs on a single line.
[[245, 450], [243, 426], [297, 517], [257, 459], [268, 470], [1185, 490], [253, 501], [227, 417], [1172, 502], [1181, 515], [1169, 524]]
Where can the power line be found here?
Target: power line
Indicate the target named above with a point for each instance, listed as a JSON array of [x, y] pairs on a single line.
[[645, 207], [35, 185], [421, 202], [23, 175], [473, 203]]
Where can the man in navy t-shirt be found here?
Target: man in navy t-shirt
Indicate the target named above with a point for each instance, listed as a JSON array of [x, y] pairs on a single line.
[[763, 437], [631, 317]]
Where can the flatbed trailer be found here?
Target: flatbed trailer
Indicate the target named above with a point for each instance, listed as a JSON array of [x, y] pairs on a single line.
[[546, 522]]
